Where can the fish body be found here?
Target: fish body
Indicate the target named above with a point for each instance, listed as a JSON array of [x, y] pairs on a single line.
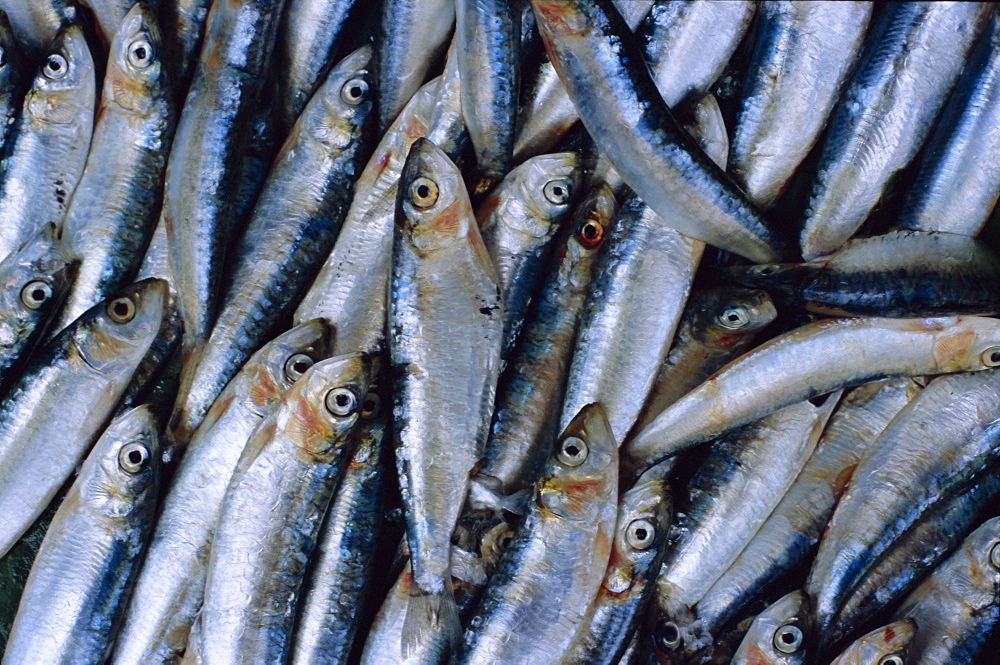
[[888, 645], [82, 573]]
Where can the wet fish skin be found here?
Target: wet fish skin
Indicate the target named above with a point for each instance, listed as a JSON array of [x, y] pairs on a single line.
[[526, 417], [898, 274], [10, 78], [113, 211], [792, 532], [958, 606], [818, 357], [350, 289], [687, 44], [911, 61], [204, 167], [779, 635], [37, 23], [169, 588], [334, 591], [47, 152], [411, 35], [291, 230], [307, 42], [84, 567], [717, 325], [183, 26], [959, 155], [489, 36], [75, 380], [802, 57], [535, 602], [877, 646], [519, 220], [731, 495], [291, 464], [596, 58], [935, 447], [108, 15], [644, 516], [914, 555], [34, 281]]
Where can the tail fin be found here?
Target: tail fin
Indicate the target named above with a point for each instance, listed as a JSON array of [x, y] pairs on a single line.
[[431, 617]]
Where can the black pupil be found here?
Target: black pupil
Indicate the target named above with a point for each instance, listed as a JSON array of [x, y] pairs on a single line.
[[135, 457], [733, 318], [343, 400], [38, 294], [589, 231], [572, 450], [670, 633], [355, 91], [423, 191], [140, 53], [54, 64], [787, 638], [640, 534], [300, 366], [557, 191], [121, 309], [995, 357], [766, 271], [369, 405]]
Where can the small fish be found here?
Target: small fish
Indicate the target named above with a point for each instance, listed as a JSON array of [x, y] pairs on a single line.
[[779, 635]]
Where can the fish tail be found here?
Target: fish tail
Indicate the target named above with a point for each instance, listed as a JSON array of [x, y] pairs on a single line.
[[430, 613]]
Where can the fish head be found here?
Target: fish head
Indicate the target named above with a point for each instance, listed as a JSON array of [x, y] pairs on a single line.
[[964, 343], [136, 76], [323, 406], [727, 314], [343, 103], [33, 281], [64, 87], [979, 583], [676, 633], [117, 332], [644, 514], [589, 227], [883, 646], [123, 468], [432, 202], [779, 634], [583, 467], [533, 197], [272, 370], [10, 56]]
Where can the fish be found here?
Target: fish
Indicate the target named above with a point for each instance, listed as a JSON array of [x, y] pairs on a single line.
[[801, 59], [75, 381], [45, 157], [842, 352], [596, 58], [888, 645], [83, 571], [445, 320], [170, 584], [291, 231], [911, 61], [114, 208], [959, 155], [291, 464], [779, 634], [534, 605]]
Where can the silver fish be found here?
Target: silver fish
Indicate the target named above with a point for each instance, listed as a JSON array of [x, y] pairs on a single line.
[[888, 645], [779, 634]]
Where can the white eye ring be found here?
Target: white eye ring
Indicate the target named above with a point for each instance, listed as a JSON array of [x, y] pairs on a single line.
[[423, 192], [55, 67], [354, 91], [341, 402], [640, 534], [35, 294], [140, 54], [133, 457], [557, 192], [788, 639], [573, 451]]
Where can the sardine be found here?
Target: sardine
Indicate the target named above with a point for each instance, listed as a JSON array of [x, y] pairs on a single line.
[[46, 156], [779, 635], [66, 394], [814, 359], [535, 603], [84, 568], [291, 465], [888, 645], [912, 59], [170, 585]]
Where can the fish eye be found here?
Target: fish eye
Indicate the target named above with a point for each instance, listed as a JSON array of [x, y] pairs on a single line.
[[297, 365], [640, 534], [55, 67], [788, 639], [573, 451], [668, 636], [590, 234], [733, 318], [764, 271], [892, 659], [423, 192], [121, 310], [371, 406], [995, 556], [341, 402], [35, 294], [557, 192], [991, 356], [354, 91], [140, 54], [133, 457]]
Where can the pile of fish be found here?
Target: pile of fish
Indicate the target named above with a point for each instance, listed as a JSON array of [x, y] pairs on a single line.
[[498, 331]]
